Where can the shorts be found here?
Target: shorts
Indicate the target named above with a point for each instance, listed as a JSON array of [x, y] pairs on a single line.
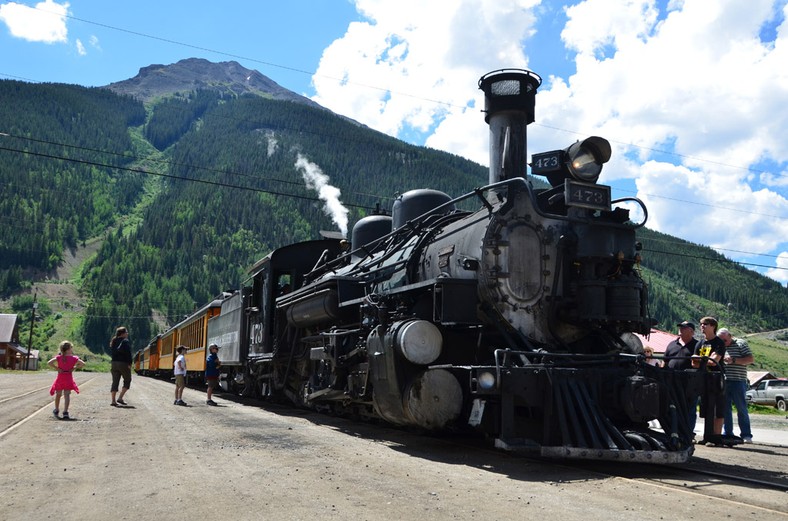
[[180, 380], [118, 370], [212, 381]]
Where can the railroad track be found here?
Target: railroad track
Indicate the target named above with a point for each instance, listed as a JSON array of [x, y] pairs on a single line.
[[751, 476], [28, 401]]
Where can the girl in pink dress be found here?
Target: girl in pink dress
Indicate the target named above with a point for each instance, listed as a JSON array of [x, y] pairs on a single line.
[[65, 363]]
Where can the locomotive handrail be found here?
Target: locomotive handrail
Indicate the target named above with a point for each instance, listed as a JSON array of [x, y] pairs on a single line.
[[412, 224], [544, 354], [571, 218], [639, 202]]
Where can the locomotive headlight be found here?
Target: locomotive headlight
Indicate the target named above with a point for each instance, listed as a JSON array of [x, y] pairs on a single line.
[[585, 158], [581, 161], [486, 380]]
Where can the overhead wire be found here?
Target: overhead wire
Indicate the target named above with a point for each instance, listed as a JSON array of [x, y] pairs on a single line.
[[171, 176], [293, 69], [170, 162], [375, 87], [135, 170]]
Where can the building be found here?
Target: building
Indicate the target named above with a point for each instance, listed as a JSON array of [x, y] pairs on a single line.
[[658, 340], [12, 354], [756, 377]]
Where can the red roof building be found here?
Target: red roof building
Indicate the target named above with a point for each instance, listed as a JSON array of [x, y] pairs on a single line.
[[658, 340]]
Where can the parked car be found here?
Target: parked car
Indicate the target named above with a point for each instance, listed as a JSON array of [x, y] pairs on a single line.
[[770, 392]]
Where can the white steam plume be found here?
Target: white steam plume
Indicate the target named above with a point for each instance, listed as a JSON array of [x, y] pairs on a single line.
[[318, 181]]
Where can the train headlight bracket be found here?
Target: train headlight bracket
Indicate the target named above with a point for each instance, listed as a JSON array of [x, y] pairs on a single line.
[[581, 161]]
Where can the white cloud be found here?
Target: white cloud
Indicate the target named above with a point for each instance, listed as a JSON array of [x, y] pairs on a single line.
[[781, 273], [80, 48], [46, 22], [413, 67], [699, 82], [692, 96]]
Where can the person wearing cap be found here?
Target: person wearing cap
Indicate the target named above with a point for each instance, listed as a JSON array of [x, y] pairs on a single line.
[[711, 350], [737, 357], [179, 369], [678, 352], [678, 355], [212, 365]]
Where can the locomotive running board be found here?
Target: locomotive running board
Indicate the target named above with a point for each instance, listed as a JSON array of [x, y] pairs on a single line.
[[640, 456]]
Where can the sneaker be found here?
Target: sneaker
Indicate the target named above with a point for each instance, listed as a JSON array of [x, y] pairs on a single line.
[[747, 440], [66, 416], [55, 412], [210, 402], [121, 402], [181, 402]]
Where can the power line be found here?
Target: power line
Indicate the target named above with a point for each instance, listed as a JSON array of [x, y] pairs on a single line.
[[723, 260], [383, 89], [133, 170], [668, 153], [683, 243], [170, 176], [169, 162]]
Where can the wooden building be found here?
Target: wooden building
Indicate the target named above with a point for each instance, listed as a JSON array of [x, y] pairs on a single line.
[[12, 354]]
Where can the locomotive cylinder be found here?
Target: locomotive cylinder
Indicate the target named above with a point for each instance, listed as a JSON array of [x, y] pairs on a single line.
[[314, 309]]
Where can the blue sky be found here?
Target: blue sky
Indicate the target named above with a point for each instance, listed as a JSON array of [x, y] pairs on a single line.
[[691, 94]]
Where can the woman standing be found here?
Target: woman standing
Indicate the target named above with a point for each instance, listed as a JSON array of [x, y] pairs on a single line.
[[120, 347]]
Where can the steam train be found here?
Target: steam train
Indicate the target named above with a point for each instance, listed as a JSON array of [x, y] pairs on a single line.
[[514, 320]]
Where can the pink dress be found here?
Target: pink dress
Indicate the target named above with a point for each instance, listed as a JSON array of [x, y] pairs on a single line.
[[65, 378]]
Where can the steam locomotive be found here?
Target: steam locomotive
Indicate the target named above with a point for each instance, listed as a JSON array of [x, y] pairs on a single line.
[[514, 320]]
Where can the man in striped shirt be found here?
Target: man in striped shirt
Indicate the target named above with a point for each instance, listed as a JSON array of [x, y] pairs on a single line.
[[737, 357]]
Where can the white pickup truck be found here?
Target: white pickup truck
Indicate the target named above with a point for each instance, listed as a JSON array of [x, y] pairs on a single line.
[[770, 392]]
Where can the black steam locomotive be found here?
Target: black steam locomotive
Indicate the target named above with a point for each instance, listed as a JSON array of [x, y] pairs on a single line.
[[514, 320]]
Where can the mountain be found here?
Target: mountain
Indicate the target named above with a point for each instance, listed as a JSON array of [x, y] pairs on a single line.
[[180, 178], [193, 74]]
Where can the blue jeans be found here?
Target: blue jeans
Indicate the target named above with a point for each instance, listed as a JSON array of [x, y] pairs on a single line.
[[693, 412], [735, 391]]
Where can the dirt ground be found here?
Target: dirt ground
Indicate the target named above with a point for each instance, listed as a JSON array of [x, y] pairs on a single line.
[[155, 460]]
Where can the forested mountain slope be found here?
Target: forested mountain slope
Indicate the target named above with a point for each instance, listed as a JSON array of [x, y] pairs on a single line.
[[688, 281], [224, 183], [48, 203]]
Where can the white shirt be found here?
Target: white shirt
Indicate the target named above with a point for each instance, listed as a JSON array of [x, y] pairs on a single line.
[[180, 362]]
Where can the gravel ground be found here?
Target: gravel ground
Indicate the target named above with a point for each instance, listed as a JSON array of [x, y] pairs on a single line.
[[154, 460]]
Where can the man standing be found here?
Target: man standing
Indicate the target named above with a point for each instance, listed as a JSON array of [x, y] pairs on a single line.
[[212, 365], [677, 356], [711, 350], [737, 357], [678, 352]]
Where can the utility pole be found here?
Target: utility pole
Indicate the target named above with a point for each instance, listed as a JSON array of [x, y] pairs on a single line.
[[32, 324]]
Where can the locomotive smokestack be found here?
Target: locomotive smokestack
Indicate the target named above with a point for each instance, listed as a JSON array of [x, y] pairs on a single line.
[[509, 99]]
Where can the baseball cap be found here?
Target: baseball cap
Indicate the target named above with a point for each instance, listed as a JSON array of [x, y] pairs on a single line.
[[687, 324]]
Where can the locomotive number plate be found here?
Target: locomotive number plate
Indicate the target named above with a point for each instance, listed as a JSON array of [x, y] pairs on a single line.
[[587, 195]]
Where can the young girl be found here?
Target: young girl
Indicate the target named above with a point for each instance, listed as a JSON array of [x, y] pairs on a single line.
[[650, 360], [65, 363]]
